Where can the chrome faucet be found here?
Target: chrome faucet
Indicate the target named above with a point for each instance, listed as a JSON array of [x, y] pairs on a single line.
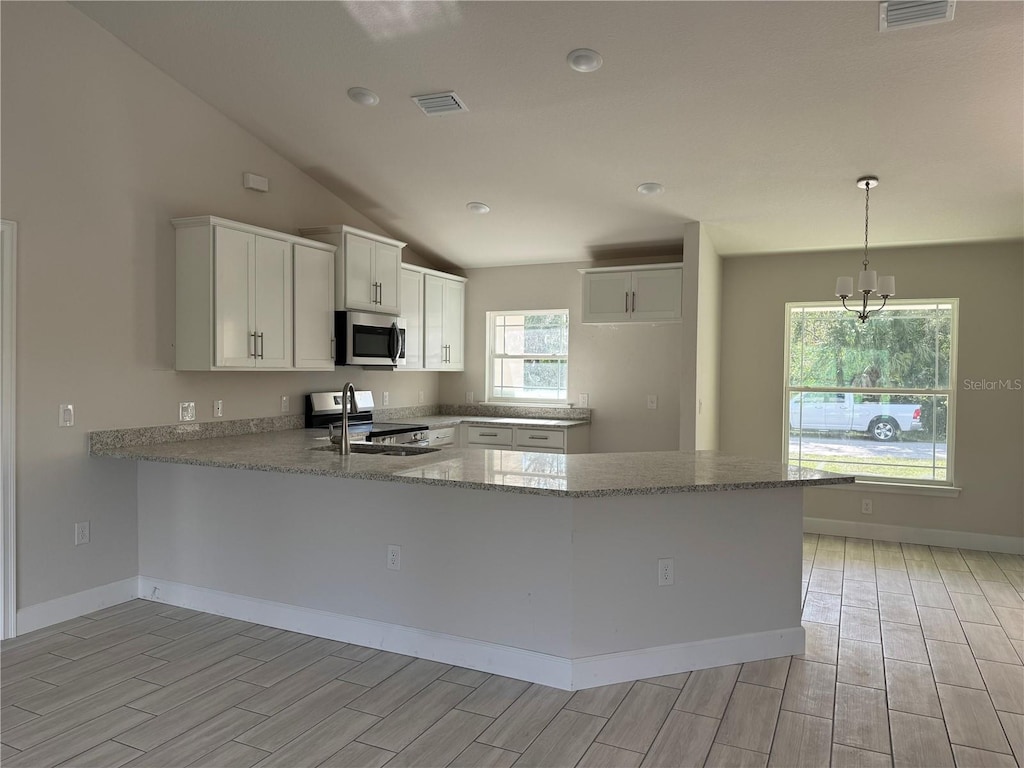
[[347, 391]]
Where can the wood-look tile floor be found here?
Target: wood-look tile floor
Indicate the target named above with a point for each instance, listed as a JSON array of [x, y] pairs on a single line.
[[914, 658]]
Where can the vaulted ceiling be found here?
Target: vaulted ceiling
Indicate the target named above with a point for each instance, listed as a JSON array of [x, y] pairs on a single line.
[[757, 117]]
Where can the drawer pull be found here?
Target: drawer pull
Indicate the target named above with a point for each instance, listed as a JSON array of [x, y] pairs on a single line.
[[538, 437], [488, 434]]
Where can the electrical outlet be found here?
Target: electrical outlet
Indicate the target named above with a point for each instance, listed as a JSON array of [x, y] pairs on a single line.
[[385, 398], [652, 402], [421, 396], [187, 411], [66, 415], [584, 400], [218, 408], [469, 397], [284, 403], [666, 572], [866, 507], [82, 533], [394, 558]]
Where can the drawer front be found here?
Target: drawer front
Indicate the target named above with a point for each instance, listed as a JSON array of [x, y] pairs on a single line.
[[441, 438], [489, 435], [540, 438]]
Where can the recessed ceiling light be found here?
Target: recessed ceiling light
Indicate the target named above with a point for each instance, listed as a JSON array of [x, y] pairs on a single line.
[[584, 60], [650, 188], [478, 208], [363, 96]]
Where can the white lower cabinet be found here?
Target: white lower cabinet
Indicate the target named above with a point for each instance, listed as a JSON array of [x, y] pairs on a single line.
[[235, 293], [540, 439], [488, 437], [536, 439]]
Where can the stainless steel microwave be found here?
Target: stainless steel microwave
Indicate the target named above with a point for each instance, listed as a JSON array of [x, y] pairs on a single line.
[[365, 338]]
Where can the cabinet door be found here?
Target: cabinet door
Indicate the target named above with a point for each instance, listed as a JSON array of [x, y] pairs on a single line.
[[412, 312], [359, 289], [659, 294], [387, 267], [314, 308], [233, 298], [607, 297], [433, 322], [454, 301], [273, 303]]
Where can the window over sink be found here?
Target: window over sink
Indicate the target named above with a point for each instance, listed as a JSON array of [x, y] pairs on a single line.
[[528, 356], [873, 399]]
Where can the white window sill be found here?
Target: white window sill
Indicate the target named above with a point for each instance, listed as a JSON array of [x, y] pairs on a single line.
[[946, 491]]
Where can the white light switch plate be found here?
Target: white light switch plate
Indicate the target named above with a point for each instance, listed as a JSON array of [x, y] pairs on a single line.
[[584, 400], [652, 402], [66, 415]]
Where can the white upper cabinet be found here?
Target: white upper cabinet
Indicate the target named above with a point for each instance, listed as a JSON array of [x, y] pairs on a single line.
[[273, 308], [235, 294], [368, 272], [412, 313], [443, 317], [632, 294], [314, 308]]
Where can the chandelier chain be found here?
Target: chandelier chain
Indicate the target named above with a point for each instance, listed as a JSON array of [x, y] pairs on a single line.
[[867, 200]]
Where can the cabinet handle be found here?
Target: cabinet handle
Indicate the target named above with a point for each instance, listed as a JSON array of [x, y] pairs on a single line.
[[634, 301], [487, 434], [253, 337], [333, 352], [261, 345], [627, 302], [538, 437]]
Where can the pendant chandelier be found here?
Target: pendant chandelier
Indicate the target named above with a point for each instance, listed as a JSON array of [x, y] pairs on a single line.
[[868, 282]]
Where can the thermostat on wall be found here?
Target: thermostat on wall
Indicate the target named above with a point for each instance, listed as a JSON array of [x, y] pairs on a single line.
[[252, 181]]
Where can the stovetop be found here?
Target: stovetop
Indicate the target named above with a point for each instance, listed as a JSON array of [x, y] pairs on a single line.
[[324, 409]]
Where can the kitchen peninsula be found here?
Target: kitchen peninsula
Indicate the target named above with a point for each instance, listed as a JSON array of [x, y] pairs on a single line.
[[543, 567]]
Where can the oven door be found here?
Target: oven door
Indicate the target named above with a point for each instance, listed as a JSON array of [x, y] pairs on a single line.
[[371, 339]]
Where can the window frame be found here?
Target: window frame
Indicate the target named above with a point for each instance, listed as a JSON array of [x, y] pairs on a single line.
[[949, 392], [491, 356]]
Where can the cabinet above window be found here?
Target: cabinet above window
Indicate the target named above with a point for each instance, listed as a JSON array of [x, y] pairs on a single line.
[[635, 294]]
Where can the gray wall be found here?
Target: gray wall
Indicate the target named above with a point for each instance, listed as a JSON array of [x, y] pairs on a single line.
[[989, 440], [100, 150]]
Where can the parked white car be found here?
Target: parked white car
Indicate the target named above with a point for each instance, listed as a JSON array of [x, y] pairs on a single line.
[[846, 412]]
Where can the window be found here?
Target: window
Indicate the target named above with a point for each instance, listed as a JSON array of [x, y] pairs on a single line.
[[873, 399], [528, 355]]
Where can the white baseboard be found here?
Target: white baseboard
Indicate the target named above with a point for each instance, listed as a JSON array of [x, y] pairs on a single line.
[[72, 606], [937, 537], [554, 671], [684, 657]]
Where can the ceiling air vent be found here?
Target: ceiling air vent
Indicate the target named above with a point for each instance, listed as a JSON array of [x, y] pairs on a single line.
[[896, 14], [440, 103]]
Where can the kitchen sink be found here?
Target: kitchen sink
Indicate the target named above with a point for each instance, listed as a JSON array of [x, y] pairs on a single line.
[[381, 449]]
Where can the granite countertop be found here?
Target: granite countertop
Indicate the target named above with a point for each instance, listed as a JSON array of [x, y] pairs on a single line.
[[583, 474]]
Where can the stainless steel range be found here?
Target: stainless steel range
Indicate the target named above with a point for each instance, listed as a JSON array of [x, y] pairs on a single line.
[[324, 409]]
